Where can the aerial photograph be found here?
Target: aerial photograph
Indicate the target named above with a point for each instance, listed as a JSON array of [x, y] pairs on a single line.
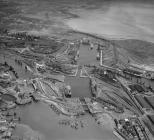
[[76, 69]]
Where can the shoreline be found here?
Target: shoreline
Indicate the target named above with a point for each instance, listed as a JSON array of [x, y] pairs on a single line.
[[106, 37]]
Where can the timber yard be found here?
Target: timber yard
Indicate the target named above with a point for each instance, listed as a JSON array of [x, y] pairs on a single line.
[[74, 78]]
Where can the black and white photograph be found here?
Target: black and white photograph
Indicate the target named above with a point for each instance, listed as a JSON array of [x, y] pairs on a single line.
[[76, 69]]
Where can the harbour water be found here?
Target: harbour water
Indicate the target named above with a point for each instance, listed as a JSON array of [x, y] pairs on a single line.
[[44, 121], [80, 86]]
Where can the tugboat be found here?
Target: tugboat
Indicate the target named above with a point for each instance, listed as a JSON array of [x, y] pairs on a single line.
[[98, 56], [68, 93]]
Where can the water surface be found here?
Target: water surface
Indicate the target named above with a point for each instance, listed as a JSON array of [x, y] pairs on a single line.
[[44, 121], [80, 86]]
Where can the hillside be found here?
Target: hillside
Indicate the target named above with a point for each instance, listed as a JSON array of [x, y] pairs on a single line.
[[138, 50]]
